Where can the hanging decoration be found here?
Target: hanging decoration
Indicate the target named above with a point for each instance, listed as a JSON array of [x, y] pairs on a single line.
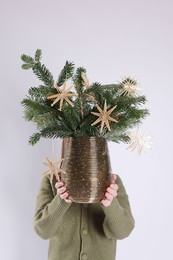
[[130, 87], [63, 94], [139, 141], [53, 169], [104, 116]]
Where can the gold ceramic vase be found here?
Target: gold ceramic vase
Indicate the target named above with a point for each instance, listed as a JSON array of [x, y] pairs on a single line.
[[87, 166]]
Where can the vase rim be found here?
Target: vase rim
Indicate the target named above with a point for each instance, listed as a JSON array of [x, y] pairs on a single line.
[[84, 137]]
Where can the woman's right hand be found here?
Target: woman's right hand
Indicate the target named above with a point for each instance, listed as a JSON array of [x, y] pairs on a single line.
[[62, 191]]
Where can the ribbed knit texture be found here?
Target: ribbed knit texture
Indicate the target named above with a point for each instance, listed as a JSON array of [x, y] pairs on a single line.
[[81, 231]]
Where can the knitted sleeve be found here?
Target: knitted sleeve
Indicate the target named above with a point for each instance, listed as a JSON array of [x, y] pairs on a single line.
[[49, 210], [118, 222]]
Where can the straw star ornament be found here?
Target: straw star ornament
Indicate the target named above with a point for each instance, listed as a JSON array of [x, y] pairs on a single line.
[[53, 168], [130, 87], [63, 94], [104, 117], [85, 80], [139, 141]]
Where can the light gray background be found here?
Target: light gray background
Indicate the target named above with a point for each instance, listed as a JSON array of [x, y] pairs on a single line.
[[111, 39]]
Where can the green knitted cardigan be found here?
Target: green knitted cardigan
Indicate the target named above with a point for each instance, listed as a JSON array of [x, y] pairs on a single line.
[[81, 231]]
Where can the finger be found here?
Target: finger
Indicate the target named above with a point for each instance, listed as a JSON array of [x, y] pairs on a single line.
[[68, 200], [105, 203], [109, 196], [114, 186], [59, 184], [111, 191], [61, 190], [113, 178], [64, 195]]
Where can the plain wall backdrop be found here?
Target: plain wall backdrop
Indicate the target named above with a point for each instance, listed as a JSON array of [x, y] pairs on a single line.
[[110, 39]]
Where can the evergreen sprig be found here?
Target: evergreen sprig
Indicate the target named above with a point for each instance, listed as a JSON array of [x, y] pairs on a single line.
[[40, 93], [78, 80], [39, 69], [66, 73], [77, 120], [43, 74], [38, 55], [78, 83]]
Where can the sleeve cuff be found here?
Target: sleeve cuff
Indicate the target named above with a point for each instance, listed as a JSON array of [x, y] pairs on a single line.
[[58, 207], [114, 210]]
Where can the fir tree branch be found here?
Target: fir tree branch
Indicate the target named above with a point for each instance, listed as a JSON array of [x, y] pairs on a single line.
[[111, 87], [125, 102], [27, 59], [34, 138], [78, 80], [118, 138], [43, 74], [35, 106], [137, 113], [50, 132], [27, 66], [69, 120], [38, 55], [79, 86], [41, 92], [66, 73], [39, 69]]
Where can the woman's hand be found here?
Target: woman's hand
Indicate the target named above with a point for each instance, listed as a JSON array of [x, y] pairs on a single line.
[[62, 191], [111, 192]]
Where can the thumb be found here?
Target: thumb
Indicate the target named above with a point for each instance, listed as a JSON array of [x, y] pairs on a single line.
[[113, 177]]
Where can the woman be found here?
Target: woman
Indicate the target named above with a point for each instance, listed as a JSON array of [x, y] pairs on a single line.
[[82, 231]]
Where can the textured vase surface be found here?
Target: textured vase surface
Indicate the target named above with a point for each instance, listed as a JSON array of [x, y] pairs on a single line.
[[87, 166]]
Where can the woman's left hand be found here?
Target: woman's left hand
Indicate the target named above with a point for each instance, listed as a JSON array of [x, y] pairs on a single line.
[[111, 192]]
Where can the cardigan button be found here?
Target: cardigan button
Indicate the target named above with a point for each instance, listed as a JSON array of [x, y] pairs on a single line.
[[84, 257], [84, 231]]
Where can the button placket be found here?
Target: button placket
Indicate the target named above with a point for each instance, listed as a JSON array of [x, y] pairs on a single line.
[[84, 233]]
